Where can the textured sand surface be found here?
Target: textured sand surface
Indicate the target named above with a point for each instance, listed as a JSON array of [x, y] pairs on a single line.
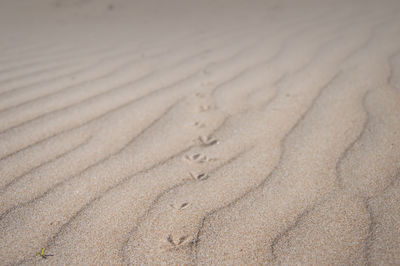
[[183, 132]]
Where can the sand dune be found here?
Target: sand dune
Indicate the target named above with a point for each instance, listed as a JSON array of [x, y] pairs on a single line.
[[192, 132]]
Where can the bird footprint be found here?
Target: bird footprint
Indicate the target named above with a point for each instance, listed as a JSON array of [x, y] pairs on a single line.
[[196, 158], [181, 206], [204, 108], [208, 141], [206, 72], [171, 243], [199, 176], [200, 95], [206, 83], [177, 242], [199, 125]]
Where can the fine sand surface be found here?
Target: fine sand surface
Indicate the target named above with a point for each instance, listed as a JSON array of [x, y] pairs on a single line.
[[208, 132]]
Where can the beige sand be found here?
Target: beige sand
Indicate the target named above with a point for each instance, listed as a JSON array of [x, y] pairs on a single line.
[[180, 132]]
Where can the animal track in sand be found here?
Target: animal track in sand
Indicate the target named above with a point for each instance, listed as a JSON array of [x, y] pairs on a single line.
[[181, 206], [199, 176], [206, 72], [196, 158], [208, 140], [206, 83], [173, 243], [199, 125], [205, 108], [200, 95]]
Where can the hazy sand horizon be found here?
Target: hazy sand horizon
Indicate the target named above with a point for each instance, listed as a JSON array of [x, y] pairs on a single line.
[[191, 132]]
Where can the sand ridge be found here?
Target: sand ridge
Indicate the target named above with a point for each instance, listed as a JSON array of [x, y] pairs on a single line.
[[200, 132]]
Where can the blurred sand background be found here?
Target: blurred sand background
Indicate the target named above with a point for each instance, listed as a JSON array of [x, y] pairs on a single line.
[[208, 132]]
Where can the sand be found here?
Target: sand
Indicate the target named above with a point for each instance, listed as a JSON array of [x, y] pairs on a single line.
[[212, 132]]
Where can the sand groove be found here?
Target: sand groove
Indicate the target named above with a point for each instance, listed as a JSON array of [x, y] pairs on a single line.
[[200, 132]]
